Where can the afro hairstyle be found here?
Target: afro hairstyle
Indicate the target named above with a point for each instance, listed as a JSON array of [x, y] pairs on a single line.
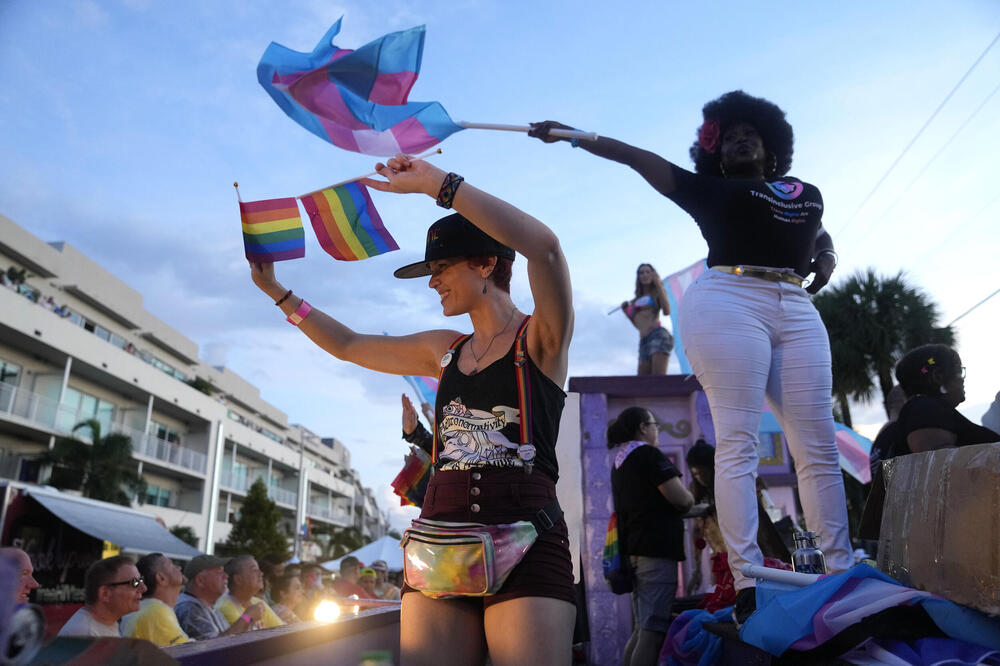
[[738, 107]]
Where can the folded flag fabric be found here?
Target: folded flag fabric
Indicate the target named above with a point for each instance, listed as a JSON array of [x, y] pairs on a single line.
[[357, 100], [346, 223], [425, 387], [411, 482], [272, 230]]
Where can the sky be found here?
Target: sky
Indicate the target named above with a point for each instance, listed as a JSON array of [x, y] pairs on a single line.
[[125, 123]]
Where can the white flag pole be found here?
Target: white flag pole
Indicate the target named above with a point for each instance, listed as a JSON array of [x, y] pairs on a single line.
[[564, 133], [435, 151]]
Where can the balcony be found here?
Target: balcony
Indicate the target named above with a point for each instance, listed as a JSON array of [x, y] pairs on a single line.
[[59, 419], [151, 446], [323, 512], [241, 483]]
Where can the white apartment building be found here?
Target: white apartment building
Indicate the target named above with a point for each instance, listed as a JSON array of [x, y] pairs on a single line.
[[76, 344]]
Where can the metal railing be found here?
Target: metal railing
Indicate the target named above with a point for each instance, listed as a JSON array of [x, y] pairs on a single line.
[[242, 482], [325, 513], [51, 415]]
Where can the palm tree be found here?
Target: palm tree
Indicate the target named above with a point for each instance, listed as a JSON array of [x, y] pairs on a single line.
[[872, 321], [101, 470], [338, 541]]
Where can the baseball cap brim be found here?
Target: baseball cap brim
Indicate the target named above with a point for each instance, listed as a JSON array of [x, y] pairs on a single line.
[[414, 270]]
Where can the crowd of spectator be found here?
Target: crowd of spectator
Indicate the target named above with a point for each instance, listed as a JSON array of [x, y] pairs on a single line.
[[156, 600]]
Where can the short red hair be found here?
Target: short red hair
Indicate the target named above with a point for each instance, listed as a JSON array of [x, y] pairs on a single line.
[[502, 271]]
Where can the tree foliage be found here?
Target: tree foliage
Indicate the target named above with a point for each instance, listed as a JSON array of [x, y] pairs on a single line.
[[872, 321], [343, 540], [102, 470], [256, 530], [185, 534]]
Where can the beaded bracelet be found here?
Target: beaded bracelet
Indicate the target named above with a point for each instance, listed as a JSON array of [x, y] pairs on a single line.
[[449, 187], [283, 298]]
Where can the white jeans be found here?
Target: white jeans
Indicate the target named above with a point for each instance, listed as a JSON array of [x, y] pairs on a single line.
[[748, 338]]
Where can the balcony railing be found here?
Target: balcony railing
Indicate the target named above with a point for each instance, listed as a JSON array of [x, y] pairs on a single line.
[[51, 415], [323, 512], [151, 446], [242, 482]]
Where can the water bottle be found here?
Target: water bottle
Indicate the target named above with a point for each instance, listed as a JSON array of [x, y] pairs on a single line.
[[807, 558]]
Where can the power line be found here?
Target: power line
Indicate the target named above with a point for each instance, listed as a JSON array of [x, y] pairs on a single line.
[[954, 231], [892, 166], [974, 307], [923, 170]]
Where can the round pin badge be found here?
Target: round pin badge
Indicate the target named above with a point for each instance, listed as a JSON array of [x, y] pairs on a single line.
[[526, 452], [446, 359]]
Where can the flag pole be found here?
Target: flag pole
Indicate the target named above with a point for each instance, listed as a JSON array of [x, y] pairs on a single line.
[[562, 133], [435, 151], [238, 197]]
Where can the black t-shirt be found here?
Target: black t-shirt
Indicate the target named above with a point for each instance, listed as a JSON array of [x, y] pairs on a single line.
[[924, 411], [653, 527], [478, 417], [752, 222]]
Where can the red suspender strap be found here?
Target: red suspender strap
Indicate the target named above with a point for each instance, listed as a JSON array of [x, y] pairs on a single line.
[[523, 389], [446, 360]]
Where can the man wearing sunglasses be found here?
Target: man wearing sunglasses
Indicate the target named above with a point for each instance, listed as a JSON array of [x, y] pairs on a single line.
[[113, 588]]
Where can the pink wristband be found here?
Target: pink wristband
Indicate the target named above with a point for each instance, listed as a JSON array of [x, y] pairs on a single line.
[[246, 618], [301, 313]]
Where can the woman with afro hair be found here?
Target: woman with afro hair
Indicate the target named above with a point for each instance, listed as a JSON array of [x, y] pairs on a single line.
[[749, 328]]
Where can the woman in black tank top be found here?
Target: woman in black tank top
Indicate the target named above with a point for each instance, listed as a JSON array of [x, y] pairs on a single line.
[[484, 474]]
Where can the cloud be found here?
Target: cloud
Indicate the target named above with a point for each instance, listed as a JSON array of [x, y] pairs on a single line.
[[89, 13]]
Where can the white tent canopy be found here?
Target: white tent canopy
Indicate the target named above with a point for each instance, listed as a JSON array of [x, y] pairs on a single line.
[[387, 548]]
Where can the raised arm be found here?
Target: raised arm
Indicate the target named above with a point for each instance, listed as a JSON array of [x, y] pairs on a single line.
[[657, 171], [417, 354], [548, 273]]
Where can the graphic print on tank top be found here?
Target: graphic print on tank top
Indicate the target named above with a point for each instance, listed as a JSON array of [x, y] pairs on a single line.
[[472, 437]]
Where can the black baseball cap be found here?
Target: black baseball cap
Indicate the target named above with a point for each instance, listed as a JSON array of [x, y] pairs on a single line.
[[454, 236]]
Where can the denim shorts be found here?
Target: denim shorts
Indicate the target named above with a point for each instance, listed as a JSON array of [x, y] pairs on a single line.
[[657, 341], [655, 589]]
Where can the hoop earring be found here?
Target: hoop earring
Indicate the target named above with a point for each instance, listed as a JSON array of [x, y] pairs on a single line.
[[485, 281], [722, 169], [772, 164], [943, 390]]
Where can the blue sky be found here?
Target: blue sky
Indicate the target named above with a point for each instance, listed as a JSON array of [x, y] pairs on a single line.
[[125, 123]]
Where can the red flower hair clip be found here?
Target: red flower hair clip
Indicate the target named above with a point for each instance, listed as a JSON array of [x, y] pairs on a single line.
[[708, 136]]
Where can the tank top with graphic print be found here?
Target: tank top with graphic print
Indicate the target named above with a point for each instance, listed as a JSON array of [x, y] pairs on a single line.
[[478, 418]]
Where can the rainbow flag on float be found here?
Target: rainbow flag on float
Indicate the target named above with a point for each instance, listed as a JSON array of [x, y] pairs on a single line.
[[357, 100], [346, 223], [272, 230]]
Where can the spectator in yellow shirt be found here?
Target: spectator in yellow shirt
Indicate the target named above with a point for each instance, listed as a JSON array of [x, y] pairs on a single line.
[[155, 620], [245, 581]]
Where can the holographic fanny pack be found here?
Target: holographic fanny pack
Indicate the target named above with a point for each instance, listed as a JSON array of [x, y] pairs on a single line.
[[463, 559], [444, 559]]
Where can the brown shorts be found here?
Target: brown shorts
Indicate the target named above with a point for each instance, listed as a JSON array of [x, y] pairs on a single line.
[[495, 496]]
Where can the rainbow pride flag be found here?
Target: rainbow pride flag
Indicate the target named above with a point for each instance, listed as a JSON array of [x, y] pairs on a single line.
[[357, 99], [346, 223], [272, 230]]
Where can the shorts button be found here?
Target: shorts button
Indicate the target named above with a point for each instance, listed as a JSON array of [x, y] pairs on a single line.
[[475, 490], [476, 476], [475, 508]]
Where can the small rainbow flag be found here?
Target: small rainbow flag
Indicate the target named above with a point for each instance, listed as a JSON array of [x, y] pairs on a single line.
[[272, 230], [346, 223]]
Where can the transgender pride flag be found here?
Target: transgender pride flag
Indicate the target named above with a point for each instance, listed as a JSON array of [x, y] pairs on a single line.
[[357, 100], [676, 284]]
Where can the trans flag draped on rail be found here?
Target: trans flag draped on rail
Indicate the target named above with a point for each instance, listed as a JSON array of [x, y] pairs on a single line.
[[357, 100]]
